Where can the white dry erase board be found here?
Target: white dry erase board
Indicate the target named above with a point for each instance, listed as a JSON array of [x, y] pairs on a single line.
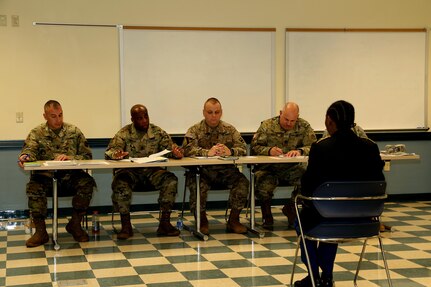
[[382, 72], [172, 71]]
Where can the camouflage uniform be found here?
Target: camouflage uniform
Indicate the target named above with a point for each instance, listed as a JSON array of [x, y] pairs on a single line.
[[270, 134], [44, 144], [197, 142], [141, 144]]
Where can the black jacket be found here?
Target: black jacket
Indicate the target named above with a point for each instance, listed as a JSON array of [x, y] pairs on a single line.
[[342, 157]]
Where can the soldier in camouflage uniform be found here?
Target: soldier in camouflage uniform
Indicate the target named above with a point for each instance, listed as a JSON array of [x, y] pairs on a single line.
[[284, 135], [141, 139], [56, 140], [214, 137]]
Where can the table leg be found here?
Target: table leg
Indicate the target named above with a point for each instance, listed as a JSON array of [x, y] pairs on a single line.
[[252, 227], [55, 215], [196, 230]]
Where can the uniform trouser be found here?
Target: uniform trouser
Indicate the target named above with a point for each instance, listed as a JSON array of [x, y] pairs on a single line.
[[269, 177], [76, 183], [226, 176], [321, 254], [126, 180]]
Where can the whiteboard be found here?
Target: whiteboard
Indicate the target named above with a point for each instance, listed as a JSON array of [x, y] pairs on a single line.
[[382, 73], [173, 72]]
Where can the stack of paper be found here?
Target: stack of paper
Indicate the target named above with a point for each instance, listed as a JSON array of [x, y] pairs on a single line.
[[148, 159], [152, 158], [60, 163]]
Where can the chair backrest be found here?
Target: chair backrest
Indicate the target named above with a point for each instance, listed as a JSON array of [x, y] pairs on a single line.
[[350, 199]]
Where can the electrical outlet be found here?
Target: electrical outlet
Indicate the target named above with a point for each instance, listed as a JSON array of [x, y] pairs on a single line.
[[3, 20], [15, 20], [387, 166], [19, 117]]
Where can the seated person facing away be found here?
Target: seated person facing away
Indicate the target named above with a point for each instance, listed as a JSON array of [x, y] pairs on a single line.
[[140, 139], [341, 157], [56, 140], [284, 135], [214, 137], [361, 133]]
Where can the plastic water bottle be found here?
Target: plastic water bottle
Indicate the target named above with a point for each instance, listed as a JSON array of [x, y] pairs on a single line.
[[95, 222], [180, 223]]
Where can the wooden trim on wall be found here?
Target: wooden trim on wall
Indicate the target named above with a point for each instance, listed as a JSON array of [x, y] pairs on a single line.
[[199, 28], [356, 30]]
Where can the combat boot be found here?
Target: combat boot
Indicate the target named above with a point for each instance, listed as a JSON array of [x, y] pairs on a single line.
[[289, 211], [203, 228], [74, 226], [126, 227], [165, 226], [233, 224], [40, 237], [267, 219]]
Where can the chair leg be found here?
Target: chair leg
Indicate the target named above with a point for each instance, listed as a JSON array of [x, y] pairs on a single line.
[[112, 222], [383, 258], [301, 235], [184, 197], [359, 262], [295, 260], [385, 261]]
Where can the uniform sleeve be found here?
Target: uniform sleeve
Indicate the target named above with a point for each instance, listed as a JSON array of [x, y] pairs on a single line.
[[309, 139], [166, 142], [191, 144], [259, 143], [83, 150], [239, 147], [116, 143], [30, 147]]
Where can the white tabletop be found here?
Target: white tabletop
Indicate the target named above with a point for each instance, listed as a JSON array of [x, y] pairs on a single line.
[[187, 161]]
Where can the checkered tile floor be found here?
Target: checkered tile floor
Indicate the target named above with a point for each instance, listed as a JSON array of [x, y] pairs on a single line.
[[224, 260]]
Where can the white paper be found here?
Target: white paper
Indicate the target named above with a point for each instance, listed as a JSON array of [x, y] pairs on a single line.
[[161, 153], [148, 159], [94, 162], [60, 163], [151, 158]]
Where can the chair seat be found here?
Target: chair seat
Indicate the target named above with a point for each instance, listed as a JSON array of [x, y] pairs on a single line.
[[338, 212]]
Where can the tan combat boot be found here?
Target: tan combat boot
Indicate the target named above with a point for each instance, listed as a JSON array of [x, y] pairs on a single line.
[[74, 226], [40, 237], [289, 211], [126, 227], [203, 228], [233, 224], [267, 219], [165, 226]]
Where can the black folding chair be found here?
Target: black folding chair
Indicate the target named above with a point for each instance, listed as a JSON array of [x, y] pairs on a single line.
[[350, 211]]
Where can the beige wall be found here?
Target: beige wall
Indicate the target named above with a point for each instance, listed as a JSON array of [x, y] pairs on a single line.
[[34, 66]]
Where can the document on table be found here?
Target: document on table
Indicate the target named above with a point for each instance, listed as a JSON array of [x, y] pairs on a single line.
[[205, 157], [148, 159], [94, 162], [151, 158], [280, 157], [60, 163]]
